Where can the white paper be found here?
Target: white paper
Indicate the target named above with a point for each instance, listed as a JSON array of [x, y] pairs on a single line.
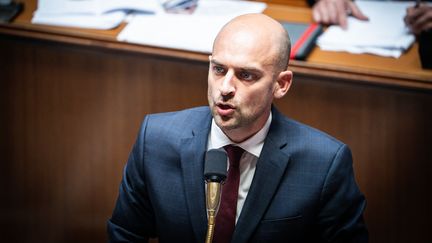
[[95, 6], [96, 14], [385, 33], [194, 32], [178, 32], [105, 21], [228, 7]]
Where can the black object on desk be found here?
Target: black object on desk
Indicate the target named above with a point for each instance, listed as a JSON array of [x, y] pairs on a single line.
[[425, 48], [303, 37], [9, 11]]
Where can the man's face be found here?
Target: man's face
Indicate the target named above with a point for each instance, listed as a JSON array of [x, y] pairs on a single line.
[[241, 84]]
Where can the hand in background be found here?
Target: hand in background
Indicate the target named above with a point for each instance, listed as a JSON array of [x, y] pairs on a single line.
[[419, 18], [336, 12]]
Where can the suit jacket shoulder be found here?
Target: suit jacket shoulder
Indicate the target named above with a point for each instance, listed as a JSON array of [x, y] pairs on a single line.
[[302, 139], [179, 122]]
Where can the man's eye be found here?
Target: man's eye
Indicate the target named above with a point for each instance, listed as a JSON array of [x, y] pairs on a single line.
[[246, 76], [218, 70]]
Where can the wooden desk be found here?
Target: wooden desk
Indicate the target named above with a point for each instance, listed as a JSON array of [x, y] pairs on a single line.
[[71, 102]]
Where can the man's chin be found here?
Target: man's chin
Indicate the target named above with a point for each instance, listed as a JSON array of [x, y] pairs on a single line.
[[225, 123]]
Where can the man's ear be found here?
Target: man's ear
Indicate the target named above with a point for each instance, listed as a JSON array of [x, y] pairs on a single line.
[[283, 83]]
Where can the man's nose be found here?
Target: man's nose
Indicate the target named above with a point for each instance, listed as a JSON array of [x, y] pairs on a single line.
[[227, 86]]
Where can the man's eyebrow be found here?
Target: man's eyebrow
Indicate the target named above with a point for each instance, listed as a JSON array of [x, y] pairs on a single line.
[[213, 61], [249, 69]]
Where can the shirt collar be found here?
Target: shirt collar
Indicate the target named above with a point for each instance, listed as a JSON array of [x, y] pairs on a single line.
[[253, 145]]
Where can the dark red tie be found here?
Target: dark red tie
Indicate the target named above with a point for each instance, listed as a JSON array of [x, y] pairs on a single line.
[[225, 219]]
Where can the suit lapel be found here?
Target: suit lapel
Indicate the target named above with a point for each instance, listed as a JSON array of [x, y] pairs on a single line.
[[270, 169], [192, 162]]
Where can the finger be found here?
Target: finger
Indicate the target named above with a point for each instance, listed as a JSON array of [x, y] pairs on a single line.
[[422, 23], [343, 21], [316, 15], [324, 13], [356, 12], [333, 12], [342, 14], [411, 18], [407, 17], [415, 13]]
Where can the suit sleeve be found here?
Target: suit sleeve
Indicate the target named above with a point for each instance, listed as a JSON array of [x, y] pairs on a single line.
[[133, 217], [342, 203]]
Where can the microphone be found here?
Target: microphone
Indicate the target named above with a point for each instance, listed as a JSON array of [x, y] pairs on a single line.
[[215, 173]]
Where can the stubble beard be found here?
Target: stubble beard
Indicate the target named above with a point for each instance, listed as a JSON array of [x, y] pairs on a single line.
[[226, 123], [237, 120]]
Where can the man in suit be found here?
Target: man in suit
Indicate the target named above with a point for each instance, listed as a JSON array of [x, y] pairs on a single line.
[[296, 183]]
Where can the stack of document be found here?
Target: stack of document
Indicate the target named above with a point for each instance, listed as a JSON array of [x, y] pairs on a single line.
[[95, 14], [194, 32], [385, 33]]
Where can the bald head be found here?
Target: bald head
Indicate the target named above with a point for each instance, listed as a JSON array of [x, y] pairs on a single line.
[[259, 34]]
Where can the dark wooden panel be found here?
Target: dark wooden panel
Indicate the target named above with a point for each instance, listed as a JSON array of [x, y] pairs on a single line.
[[69, 116]]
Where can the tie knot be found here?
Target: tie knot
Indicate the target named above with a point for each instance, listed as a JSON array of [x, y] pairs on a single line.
[[234, 154]]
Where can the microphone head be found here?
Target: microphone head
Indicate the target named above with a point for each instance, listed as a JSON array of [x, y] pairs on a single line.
[[215, 166]]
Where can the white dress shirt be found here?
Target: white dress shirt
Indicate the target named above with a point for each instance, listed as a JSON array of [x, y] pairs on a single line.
[[252, 146]]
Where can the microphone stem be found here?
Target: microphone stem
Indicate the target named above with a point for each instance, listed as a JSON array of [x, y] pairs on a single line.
[[213, 201], [210, 228]]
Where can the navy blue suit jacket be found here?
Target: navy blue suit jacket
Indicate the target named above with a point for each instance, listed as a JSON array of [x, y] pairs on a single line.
[[303, 189]]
